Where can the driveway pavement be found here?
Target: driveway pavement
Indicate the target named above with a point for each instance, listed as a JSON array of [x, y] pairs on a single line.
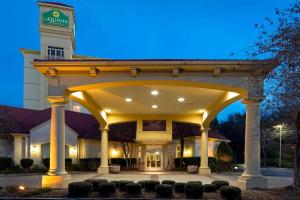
[[276, 177]]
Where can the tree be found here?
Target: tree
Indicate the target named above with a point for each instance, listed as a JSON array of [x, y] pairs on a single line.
[[127, 148], [280, 40]]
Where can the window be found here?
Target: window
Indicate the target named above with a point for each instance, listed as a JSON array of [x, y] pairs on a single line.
[[55, 53]]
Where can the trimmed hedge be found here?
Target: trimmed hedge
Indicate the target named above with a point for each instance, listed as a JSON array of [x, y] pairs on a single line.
[[150, 185], [193, 190], [209, 188], [90, 164], [179, 187], [230, 192], [193, 161], [95, 183], [122, 185], [79, 189], [164, 190], [46, 162], [115, 182], [197, 182], [122, 162], [169, 182], [26, 163], [5, 162], [219, 184], [133, 188], [106, 188]]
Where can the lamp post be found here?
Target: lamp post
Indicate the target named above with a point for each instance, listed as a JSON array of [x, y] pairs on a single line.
[[280, 126]]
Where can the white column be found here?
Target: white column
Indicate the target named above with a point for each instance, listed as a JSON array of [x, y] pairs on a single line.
[[204, 169], [27, 147], [57, 173], [104, 169], [17, 148], [252, 178]]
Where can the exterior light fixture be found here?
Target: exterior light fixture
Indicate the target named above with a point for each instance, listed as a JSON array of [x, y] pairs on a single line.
[[21, 187], [154, 106], [181, 99], [128, 100], [154, 92]]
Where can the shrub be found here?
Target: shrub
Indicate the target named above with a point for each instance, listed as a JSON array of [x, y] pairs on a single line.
[[106, 188], [164, 190], [150, 185], [46, 162], [133, 188], [79, 189], [219, 184], [68, 163], [14, 169], [116, 183], [95, 182], [122, 162], [193, 161], [179, 187], [209, 188], [5, 162], [26, 163], [11, 188], [230, 192], [197, 182], [38, 169], [224, 152], [193, 190], [169, 182], [122, 185], [90, 164]]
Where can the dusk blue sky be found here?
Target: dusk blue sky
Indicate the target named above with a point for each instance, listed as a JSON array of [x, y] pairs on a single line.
[[208, 29]]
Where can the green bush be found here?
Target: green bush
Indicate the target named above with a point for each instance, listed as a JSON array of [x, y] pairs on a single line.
[[46, 162], [230, 192], [150, 185], [198, 182], [179, 187], [5, 162], [90, 164], [224, 152], [11, 188], [164, 190], [122, 185], [14, 169], [79, 189], [38, 169], [26, 163], [209, 188], [106, 188], [116, 183], [170, 182], [193, 161], [95, 182], [122, 162], [133, 188], [219, 184], [193, 190]]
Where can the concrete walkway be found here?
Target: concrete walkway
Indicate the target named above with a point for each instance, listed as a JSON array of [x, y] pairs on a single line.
[[276, 177]]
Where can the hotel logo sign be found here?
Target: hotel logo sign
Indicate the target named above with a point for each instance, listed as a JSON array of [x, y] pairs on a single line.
[[55, 18]]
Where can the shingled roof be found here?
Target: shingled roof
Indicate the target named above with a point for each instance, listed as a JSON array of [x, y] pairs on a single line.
[[21, 120]]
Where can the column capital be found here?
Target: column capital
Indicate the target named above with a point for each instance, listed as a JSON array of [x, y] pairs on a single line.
[[57, 100], [250, 101], [106, 129]]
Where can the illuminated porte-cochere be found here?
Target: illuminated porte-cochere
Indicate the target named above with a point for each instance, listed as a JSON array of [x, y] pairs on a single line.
[[157, 99]]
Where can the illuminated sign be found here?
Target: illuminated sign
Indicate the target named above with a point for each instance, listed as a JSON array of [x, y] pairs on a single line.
[[55, 18]]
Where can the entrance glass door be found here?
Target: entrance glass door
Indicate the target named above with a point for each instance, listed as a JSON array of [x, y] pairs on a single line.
[[153, 161]]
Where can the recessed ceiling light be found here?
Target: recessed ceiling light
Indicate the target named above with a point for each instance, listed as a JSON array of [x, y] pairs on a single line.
[[181, 99], [128, 100], [154, 106], [154, 92]]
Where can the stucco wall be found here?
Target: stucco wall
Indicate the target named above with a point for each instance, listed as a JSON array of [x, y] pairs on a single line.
[[6, 147]]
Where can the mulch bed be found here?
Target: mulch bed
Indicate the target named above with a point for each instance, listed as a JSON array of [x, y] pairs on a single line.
[[286, 193]]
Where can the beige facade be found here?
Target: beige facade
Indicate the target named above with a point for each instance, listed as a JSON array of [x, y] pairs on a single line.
[[114, 91]]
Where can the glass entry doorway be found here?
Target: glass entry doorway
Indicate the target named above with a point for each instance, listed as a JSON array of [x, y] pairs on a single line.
[[154, 161]]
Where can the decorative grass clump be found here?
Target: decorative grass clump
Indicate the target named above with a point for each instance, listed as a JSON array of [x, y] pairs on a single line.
[[122, 185], [106, 188], [150, 185], [219, 184], [133, 188], [208, 188], [79, 189], [230, 192], [95, 182], [169, 182], [164, 190], [193, 190], [179, 187]]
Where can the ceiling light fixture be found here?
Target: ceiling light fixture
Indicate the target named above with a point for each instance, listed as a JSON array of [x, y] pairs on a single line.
[[154, 106], [154, 92], [128, 100], [107, 110], [181, 99]]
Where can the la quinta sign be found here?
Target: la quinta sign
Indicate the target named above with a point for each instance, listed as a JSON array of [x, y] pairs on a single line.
[[55, 18]]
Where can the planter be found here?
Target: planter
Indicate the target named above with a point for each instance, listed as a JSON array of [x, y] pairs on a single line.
[[192, 169], [114, 169]]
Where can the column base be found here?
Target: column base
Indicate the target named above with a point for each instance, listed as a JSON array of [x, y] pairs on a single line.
[[103, 170], [55, 181], [204, 171], [245, 182]]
